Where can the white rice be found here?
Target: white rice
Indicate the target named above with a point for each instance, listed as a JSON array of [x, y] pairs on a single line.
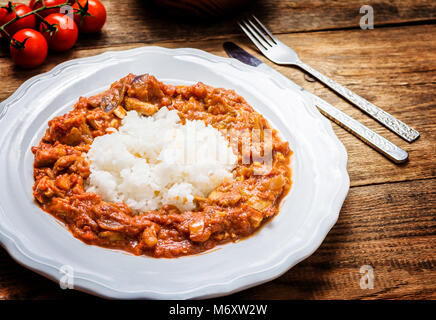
[[153, 161]]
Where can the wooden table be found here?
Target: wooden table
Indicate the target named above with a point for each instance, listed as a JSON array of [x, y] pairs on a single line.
[[388, 219]]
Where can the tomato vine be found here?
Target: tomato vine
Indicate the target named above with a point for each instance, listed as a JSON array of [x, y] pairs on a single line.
[[11, 8]]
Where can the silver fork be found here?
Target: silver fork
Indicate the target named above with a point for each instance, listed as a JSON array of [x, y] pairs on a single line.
[[279, 53]]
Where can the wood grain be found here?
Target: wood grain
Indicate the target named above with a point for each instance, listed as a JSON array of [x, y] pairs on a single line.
[[390, 227], [138, 21], [358, 59], [388, 219]]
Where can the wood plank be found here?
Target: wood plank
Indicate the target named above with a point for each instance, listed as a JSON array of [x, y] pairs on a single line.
[[390, 227], [390, 68], [387, 220], [376, 64], [134, 21]]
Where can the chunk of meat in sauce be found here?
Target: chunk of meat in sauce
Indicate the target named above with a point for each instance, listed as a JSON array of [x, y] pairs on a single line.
[[232, 211]]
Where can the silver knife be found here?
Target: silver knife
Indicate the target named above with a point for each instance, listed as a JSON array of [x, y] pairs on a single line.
[[376, 141]]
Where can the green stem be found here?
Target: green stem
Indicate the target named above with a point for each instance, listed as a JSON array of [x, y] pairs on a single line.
[[35, 12], [41, 18]]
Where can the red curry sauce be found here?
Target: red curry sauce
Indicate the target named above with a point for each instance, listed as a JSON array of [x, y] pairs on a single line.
[[232, 211]]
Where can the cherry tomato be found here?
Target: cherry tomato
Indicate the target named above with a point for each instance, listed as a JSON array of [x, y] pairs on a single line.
[[3, 13], [28, 22], [34, 4], [32, 51], [65, 32], [90, 15]]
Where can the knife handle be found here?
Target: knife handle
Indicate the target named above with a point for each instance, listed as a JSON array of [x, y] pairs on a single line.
[[373, 139], [400, 128]]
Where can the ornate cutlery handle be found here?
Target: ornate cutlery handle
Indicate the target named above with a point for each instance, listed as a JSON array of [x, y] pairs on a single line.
[[379, 143], [403, 130]]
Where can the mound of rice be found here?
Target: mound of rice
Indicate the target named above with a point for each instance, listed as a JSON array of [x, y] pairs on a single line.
[[153, 161]]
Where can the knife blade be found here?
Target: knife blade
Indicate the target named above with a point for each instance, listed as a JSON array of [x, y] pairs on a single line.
[[373, 139]]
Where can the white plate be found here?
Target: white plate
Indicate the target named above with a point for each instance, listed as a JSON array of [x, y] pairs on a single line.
[[38, 241]]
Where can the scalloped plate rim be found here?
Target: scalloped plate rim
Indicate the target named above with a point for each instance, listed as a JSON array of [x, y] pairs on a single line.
[[30, 260]]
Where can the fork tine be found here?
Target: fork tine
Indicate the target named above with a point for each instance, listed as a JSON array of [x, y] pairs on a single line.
[[260, 38], [257, 43], [259, 33], [274, 39]]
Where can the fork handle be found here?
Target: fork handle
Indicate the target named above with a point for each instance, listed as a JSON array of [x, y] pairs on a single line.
[[373, 139], [382, 145], [400, 128]]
